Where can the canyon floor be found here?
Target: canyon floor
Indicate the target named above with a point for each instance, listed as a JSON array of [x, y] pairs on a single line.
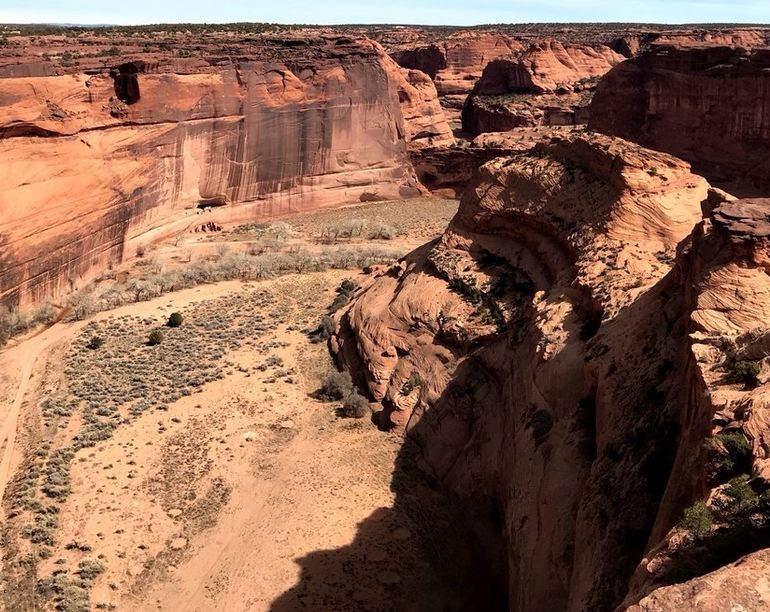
[[223, 483]]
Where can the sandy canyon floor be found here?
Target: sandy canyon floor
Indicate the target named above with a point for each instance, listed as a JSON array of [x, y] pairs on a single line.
[[220, 483]]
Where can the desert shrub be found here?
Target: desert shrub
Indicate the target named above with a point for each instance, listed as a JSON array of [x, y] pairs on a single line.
[[155, 337], [344, 293], [96, 342], [324, 330], [382, 231], [413, 382], [347, 286], [81, 305], [367, 270], [336, 386], [175, 319], [466, 287], [739, 490], [89, 569], [738, 450], [697, 520], [350, 228], [354, 406], [743, 371]]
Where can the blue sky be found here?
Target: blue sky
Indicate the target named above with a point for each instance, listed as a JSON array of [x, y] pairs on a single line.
[[447, 12]]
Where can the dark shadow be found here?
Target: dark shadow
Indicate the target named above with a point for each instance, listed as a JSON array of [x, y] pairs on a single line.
[[416, 556]]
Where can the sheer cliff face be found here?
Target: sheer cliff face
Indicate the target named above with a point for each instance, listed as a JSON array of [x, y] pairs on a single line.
[[456, 63], [549, 84], [708, 105], [545, 356], [92, 166]]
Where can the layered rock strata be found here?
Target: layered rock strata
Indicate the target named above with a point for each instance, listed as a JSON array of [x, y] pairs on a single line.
[[95, 166], [549, 84], [708, 105], [547, 355]]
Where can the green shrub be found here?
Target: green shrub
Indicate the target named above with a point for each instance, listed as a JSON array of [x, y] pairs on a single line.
[[355, 406], [96, 342], [367, 270], [738, 451], [743, 371], [155, 338], [175, 320], [697, 520], [413, 382], [336, 386], [347, 287], [324, 330], [739, 490]]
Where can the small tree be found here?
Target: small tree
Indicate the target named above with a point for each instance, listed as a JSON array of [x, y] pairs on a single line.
[[697, 520], [156, 337], [175, 320], [745, 372], [95, 343]]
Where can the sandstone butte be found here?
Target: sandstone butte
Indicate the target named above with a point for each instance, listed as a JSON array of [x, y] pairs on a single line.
[[705, 104], [548, 84], [561, 348], [132, 155]]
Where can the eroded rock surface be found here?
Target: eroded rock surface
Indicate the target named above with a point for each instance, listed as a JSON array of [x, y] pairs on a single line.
[[549, 84], [708, 105], [559, 355]]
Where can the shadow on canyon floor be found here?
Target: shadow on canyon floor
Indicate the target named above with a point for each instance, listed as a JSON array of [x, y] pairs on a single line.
[[416, 556]]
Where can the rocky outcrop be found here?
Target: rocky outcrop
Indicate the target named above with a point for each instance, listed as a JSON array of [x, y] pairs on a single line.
[[482, 114], [545, 67], [94, 166], [547, 356], [708, 105], [550, 84], [425, 123]]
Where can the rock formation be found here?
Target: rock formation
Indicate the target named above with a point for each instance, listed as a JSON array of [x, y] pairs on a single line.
[[559, 356], [456, 63], [708, 105], [95, 165], [550, 84]]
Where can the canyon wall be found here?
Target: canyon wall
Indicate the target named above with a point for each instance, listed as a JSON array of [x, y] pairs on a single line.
[[94, 166], [708, 105], [549, 84], [456, 63], [547, 355]]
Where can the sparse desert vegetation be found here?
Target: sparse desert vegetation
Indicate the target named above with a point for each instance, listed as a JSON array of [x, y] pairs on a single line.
[[118, 417]]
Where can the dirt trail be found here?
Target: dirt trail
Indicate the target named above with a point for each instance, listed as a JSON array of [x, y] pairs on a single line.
[[23, 357]]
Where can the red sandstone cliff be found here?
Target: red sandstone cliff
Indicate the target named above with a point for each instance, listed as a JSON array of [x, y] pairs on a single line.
[[560, 362], [549, 84], [94, 165], [708, 105], [456, 63]]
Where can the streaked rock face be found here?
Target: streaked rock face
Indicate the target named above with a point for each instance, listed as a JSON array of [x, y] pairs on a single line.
[[708, 105], [93, 166]]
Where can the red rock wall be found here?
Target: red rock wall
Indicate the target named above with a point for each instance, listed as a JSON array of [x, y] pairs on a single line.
[[86, 178], [710, 106]]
